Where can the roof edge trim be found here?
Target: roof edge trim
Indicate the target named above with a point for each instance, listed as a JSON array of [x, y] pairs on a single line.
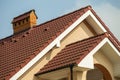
[[50, 46], [55, 42], [89, 58], [97, 21]]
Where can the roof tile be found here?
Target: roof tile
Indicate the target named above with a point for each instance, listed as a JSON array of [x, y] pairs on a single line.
[[17, 50], [72, 53]]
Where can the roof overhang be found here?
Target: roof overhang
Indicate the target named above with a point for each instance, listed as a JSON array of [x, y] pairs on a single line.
[[113, 55], [90, 18], [95, 24]]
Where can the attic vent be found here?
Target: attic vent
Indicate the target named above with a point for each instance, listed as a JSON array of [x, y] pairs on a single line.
[[19, 23], [24, 35], [28, 32], [15, 41], [46, 29], [27, 19]]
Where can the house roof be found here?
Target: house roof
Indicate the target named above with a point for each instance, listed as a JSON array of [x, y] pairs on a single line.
[[23, 16], [72, 54], [17, 50]]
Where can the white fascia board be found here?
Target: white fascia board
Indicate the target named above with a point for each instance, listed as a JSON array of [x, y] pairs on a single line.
[[57, 42], [88, 62], [84, 16], [114, 48], [96, 20], [52, 44]]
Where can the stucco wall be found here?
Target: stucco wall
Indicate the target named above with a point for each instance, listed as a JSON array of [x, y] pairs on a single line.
[[79, 33]]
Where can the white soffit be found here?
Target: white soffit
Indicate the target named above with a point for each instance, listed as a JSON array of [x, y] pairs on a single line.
[[88, 62], [55, 42], [96, 25]]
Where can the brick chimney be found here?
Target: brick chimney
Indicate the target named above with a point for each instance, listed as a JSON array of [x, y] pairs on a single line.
[[24, 21]]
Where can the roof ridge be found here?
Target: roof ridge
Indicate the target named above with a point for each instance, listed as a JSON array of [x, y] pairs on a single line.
[[89, 7]]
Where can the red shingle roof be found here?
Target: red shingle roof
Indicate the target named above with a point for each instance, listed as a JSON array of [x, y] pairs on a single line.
[[72, 54], [17, 50]]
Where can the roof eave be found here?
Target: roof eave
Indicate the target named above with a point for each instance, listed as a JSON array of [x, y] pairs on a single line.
[[52, 44], [89, 58]]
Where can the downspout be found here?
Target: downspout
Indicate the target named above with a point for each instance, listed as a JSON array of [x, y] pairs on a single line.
[[71, 72]]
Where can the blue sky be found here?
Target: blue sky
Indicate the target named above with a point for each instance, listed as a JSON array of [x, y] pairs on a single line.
[[108, 10]]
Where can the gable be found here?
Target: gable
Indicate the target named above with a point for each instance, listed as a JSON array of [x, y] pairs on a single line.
[[31, 42], [42, 38], [73, 55], [79, 33], [33, 18]]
